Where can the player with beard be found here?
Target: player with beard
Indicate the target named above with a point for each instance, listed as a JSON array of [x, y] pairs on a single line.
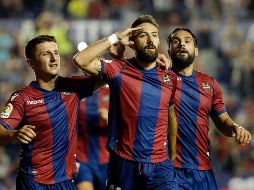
[[197, 97], [141, 113]]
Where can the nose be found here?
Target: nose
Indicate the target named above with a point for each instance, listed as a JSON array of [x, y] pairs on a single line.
[[182, 43], [149, 39], [53, 57]]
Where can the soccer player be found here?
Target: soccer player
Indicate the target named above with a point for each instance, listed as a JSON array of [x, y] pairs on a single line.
[[43, 118], [197, 97], [92, 155], [141, 111]]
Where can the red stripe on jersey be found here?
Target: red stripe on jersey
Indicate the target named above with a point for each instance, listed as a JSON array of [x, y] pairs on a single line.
[[82, 151], [177, 106], [202, 130], [44, 139], [103, 102], [202, 125], [160, 133], [128, 102], [72, 111]]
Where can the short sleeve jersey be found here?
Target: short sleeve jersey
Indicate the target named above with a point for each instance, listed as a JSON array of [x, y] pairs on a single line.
[[92, 129], [50, 157], [138, 113], [197, 97]]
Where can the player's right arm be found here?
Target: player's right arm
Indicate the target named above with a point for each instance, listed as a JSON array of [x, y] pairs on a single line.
[[87, 59], [23, 135]]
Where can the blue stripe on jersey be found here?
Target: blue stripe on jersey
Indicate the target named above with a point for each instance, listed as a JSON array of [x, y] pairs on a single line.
[[114, 111], [93, 119], [59, 119], [188, 119], [6, 126], [149, 105], [26, 162]]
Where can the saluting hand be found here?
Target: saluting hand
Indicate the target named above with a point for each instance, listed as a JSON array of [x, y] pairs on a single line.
[[124, 36]]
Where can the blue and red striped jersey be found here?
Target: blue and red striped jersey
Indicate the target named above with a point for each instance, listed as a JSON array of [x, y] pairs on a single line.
[[138, 111], [197, 97], [50, 157], [92, 129]]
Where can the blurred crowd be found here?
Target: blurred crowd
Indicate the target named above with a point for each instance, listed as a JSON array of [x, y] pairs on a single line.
[[225, 31]]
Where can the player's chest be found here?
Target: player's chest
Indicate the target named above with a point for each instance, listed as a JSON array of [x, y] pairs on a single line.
[[194, 93], [50, 104]]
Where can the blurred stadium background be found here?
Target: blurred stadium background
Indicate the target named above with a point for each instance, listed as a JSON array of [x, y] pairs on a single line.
[[225, 31]]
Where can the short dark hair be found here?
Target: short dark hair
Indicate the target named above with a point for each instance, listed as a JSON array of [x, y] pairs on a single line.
[[185, 29], [31, 44], [144, 19]]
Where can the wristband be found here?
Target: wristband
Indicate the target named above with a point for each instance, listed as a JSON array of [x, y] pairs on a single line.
[[113, 39]]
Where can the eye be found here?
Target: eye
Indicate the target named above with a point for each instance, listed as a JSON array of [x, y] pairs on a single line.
[[142, 35], [175, 41], [155, 35]]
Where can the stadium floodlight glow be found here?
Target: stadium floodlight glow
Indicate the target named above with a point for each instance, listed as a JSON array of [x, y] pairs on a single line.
[[82, 46]]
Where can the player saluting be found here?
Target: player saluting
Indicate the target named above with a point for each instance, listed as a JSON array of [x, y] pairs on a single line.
[[43, 117], [141, 112]]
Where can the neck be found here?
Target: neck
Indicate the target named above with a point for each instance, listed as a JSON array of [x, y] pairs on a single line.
[[187, 71], [146, 66], [49, 84]]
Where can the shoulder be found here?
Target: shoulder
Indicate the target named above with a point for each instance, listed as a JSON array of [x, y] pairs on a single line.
[[204, 76]]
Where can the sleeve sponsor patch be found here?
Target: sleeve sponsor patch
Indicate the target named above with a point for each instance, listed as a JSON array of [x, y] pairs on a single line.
[[7, 111]]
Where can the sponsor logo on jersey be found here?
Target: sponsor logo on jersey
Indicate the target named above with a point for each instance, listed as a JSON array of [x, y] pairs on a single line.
[[7, 111], [34, 102], [206, 87]]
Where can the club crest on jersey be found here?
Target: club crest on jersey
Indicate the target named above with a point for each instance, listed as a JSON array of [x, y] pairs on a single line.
[[166, 79], [206, 87], [66, 93], [7, 111]]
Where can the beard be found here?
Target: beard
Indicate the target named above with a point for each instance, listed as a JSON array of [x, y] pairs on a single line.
[[146, 57], [180, 63]]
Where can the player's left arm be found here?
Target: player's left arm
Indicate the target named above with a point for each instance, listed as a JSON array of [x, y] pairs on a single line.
[[163, 61], [231, 129], [172, 132]]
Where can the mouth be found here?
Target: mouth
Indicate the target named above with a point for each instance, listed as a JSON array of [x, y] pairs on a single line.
[[53, 65], [150, 48], [182, 52]]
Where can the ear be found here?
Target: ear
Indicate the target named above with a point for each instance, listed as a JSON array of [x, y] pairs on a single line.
[[196, 51], [132, 46], [29, 62]]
